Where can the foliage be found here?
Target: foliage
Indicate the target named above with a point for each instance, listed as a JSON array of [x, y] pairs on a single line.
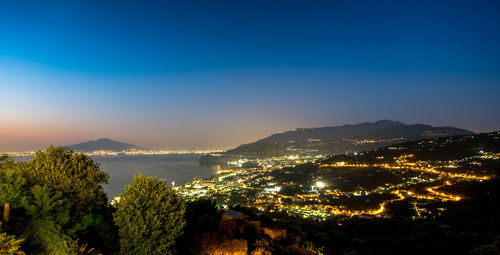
[[149, 217], [10, 245], [77, 176], [12, 186], [6, 162], [202, 215], [488, 249], [44, 203], [56, 198], [47, 238], [82, 249]]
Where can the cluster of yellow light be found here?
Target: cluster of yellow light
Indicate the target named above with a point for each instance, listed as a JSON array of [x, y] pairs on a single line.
[[321, 210], [443, 196], [400, 193], [489, 155], [404, 156], [469, 176], [338, 211], [411, 166], [222, 171], [126, 152], [344, 164], [434, 195], [403, 164], [354, 141]]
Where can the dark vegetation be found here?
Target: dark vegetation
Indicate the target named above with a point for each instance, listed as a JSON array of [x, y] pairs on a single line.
[[55, 204]]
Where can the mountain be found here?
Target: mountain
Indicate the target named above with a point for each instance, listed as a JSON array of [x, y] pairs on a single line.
[[336, 140], [103, 144], [327, 133]]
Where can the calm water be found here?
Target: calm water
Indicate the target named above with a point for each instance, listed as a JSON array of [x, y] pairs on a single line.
[[175, 167]]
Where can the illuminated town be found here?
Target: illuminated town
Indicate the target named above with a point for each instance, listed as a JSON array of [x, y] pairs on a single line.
[[310, 187], [110, 153]]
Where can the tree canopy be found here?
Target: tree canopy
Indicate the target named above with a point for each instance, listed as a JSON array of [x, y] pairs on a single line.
[[56, 198], [76, 175], [149, 217], [10, 245]]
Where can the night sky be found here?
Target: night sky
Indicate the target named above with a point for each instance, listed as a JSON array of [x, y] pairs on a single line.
[[215, 74]]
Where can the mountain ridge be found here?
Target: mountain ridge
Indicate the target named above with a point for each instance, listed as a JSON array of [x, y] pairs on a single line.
[[338, 139], [104, 144], [354, 131]]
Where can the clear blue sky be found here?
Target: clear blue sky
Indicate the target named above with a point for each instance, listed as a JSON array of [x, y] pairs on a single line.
[[186, 74]]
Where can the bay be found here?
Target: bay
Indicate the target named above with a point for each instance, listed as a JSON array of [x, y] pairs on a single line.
[[178, 168]]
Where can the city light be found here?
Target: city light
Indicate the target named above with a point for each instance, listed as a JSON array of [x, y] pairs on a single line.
[[320, 184]]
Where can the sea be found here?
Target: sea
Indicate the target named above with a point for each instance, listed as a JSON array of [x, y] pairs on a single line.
[[177, 168]]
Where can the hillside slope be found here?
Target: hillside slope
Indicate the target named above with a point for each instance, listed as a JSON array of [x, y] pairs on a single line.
[[336, 140]]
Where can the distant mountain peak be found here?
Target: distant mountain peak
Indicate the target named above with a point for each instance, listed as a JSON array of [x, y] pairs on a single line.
[[386, 121], [103, 144], [103, 140]]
